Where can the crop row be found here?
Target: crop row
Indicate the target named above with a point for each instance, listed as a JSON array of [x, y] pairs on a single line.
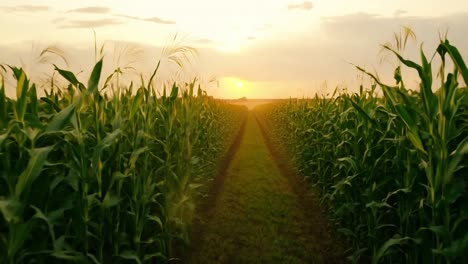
[[392, 169], [89, 177]]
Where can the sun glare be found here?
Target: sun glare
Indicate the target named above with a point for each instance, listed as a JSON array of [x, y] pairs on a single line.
[[234, 87]]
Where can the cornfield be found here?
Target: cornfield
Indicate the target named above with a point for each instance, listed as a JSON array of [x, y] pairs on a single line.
[[392, 168], [87, 177]]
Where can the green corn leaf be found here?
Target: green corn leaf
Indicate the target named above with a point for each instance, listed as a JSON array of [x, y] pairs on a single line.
[[397, 75], [156, 219], [60, 120], [51, 103], [17, 72], [457, 248], [40, 215], [457, 59], [130, 255], [19, 234], [95, 77], [378, 205], [174, 92], [428, 97], [31, 133], [110, 200], [390, 194], [135, 155], [384, 249], [69, 76], [37, 160], [137, 100], [408, 63], [3, 137], [117, 176], [21, 95], [3, 106], [457, 156], [10, 209], [362, 112], [441, 231], [108, 80], [347, 232], [150, 82], [93, 258], [32, 94], [70, 255], [107, 141], [413, 134]]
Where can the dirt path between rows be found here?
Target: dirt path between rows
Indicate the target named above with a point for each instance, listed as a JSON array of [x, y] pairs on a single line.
[[258, 211]]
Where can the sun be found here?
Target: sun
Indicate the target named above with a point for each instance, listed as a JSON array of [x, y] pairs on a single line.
[[234, 87]]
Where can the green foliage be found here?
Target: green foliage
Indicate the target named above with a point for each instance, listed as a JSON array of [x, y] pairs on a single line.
[[88, 178], [392, 169]]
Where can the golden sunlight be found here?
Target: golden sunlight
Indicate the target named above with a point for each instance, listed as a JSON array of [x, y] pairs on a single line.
[[234, 87]]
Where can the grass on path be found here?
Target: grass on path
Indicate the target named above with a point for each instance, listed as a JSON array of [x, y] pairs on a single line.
[[257, 217]]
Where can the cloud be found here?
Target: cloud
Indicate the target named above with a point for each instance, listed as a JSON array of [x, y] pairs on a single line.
[[91, 23], [58, 20], [306, 5], [251, 38], [156, 20], [91, 10], [25, 8], [399, 12]]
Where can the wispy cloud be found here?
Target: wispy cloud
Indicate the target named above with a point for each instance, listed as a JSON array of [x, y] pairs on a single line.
[[251, 38], [57, 20], [25, 8], [156, 20], [91, 10], [399, 12], [91, 23], [306, 5]]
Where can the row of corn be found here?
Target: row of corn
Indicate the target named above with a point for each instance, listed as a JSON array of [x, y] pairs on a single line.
[[393, 168], [88, 177]]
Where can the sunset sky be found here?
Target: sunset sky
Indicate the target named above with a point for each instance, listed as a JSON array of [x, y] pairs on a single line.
[[257, 49]]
